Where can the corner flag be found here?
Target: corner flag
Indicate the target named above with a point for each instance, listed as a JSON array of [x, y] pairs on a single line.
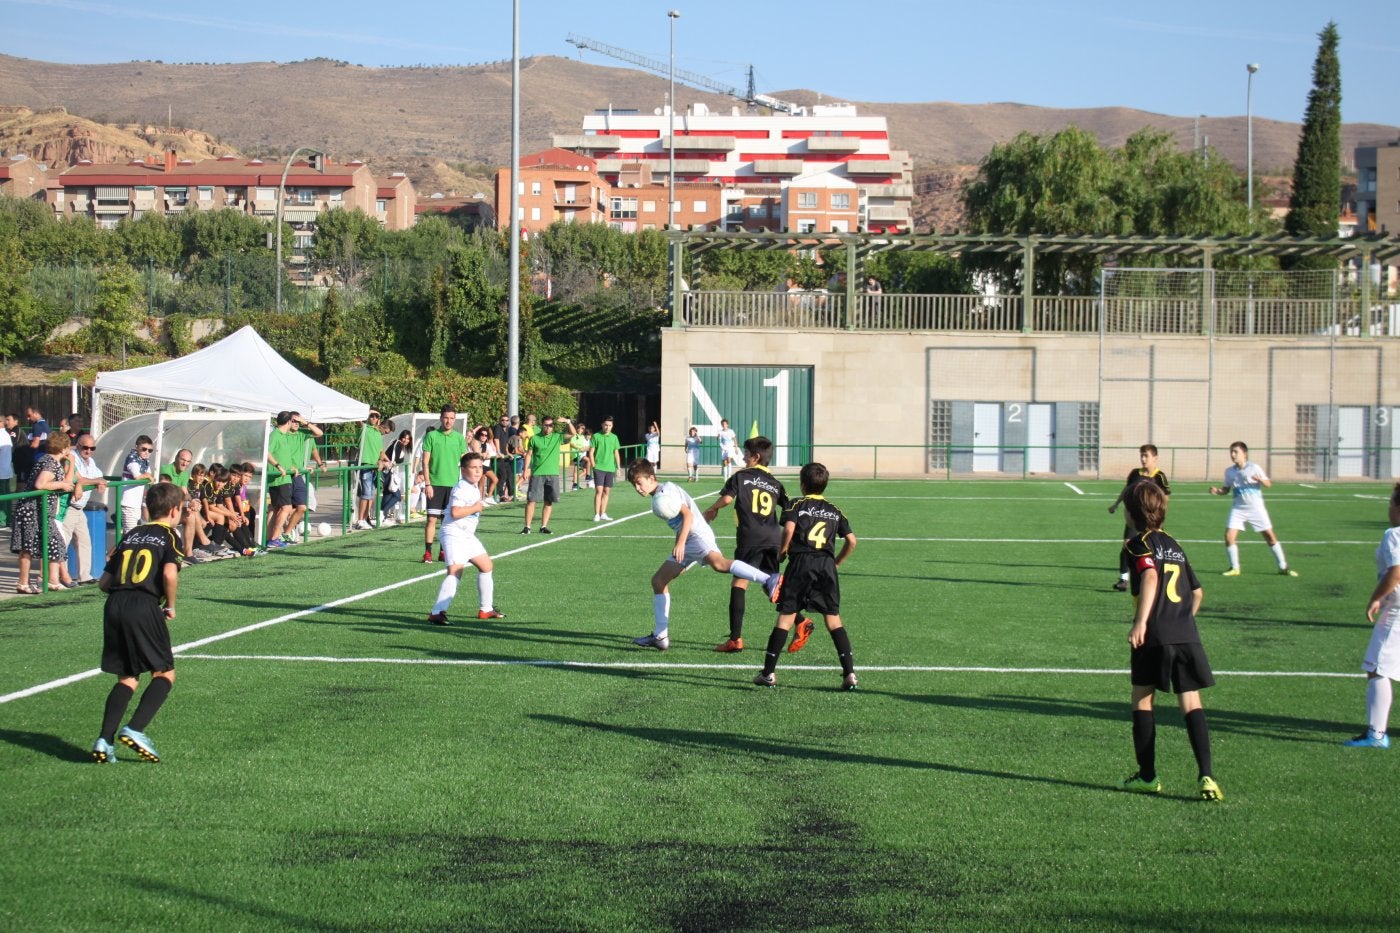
[[753, 431]]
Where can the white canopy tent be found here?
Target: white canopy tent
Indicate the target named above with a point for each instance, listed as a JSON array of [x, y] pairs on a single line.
[[240, 373]]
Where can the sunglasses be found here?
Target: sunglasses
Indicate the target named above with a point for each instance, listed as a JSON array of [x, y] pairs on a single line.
[[84, 447], [143, 450]]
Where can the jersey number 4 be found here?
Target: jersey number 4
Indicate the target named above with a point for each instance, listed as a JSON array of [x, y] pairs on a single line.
[[818, 535]]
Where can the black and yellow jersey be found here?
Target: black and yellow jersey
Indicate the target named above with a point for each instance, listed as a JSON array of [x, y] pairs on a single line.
[[138, 563], [1171, 621], [819, 525], [759, 501]]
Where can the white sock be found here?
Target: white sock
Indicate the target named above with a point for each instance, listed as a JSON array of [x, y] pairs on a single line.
[[1277, 548], [446, 593], [1123, 576], [1232, 551], [486, 589], [1378, 704], [748, 572], [661, 611]]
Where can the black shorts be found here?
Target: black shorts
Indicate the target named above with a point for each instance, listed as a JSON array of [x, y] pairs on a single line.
[[764, 558], [299, 490], [281, 496], [1174, 668], [437, 502], [810, 583], [604, 479], [135, 638]]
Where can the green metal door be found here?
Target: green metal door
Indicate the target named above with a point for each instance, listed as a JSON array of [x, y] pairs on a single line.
[[775, 401]]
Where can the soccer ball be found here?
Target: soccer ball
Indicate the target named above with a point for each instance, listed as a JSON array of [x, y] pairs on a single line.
[[666, 503], [324, 529]]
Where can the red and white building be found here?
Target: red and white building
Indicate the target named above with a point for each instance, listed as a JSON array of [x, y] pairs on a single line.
[[781, 171]]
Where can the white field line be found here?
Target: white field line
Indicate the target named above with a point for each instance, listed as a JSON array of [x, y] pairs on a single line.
[[303, 613], [1307, 485], [670, 665], [1093, 541], [1357, 495], [1076, 489]]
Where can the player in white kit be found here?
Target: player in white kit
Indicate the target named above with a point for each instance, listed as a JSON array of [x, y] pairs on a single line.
[[1246, 482], [460, 545], [728, 448], [1382, 661]]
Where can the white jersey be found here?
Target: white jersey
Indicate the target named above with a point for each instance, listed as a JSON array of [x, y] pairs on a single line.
[[1388, 554], [702, 537], [728, 441], [464, 493], [1383, 653], [1244, 483], [653, 447]]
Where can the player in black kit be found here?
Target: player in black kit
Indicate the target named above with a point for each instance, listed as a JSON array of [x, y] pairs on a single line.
[[1148, 473], [1166, 647], [759, 500], [811, 527]]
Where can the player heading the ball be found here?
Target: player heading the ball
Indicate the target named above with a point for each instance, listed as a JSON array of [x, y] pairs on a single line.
[[695, 544]]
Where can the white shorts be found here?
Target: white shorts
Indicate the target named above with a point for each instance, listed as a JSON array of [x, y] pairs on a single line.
[[729, 453], [692, 459], [697, 548], [1256, 515], [1383, 654], [460, 549]]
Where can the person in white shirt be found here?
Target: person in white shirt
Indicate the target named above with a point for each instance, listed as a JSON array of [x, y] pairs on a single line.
[[1246, 482], [460, 545], [87, 477], [728, 448], [653, 442], [7, 472], [1382, 661]]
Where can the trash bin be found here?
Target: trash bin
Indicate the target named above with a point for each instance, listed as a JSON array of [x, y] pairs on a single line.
[[97, 533]]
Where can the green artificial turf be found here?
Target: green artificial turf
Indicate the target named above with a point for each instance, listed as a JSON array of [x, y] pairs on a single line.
[[541, 773]]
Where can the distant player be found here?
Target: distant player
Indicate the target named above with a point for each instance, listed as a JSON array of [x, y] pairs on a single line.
[[1148, 473], [695, 544], [759, 500], [1166, 647], [811, 527], [461, 545], [728, 447], [1382, 661], [140, 579], [692, 454], [1247, 482]]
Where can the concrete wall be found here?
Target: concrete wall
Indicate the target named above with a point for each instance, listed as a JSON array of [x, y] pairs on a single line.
[[1190, 394]]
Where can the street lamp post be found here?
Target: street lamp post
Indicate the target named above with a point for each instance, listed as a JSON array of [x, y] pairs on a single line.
[[1252, 67], [672, 15], [316, 162]]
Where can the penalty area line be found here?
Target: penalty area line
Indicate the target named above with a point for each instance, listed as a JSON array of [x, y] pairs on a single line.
[[711, 666], [1076, 489]]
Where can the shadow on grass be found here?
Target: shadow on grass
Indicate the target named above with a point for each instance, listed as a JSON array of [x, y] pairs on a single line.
[[46, 744], [165, 889], [732, 742], [979, 581], [1285, 728]]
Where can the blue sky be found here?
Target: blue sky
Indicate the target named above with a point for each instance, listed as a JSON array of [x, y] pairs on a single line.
[[1182, 58]]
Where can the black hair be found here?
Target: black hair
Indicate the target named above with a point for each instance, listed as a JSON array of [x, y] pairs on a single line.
[[813, 478]]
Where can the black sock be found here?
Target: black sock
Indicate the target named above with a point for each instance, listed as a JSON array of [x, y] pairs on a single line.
[[151, 698], [843, 649], [736, 611], [244, 537], [219, 535], [1145, 743], [1199, 733], [112, 715], [1123, 561], [776, 640]]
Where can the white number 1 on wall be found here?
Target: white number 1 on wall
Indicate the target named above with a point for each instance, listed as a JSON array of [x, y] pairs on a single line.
[[781, 402]]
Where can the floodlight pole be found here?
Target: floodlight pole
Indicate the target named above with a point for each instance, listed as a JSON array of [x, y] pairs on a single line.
[[513, 339], [1252, 67], [672, 246], [281, 196]]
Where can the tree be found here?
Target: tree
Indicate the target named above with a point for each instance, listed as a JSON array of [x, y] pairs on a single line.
[[24, 324], [474, 306], [150, 239], [215, 234], [333, 345], [345, 241], [21, 218], [1317, 172], [117, 307]]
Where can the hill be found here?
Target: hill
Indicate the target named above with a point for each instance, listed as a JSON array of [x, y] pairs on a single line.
[[59, 138]]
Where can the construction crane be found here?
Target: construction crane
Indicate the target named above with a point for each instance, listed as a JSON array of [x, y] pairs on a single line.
[[692, 78]]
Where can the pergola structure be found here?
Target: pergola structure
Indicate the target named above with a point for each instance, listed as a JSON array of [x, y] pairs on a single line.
[[1366, 249]]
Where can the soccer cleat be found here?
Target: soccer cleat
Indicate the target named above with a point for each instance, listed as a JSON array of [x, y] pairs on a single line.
[[103, 753], [428, 556], [849, 682], [1287, 572], [442, 555], [730, 646], [801, 634], [525, 530], [438, 618], [765, 680], [137, 742], [490, 614], [1369, 739], [774, 587], [1121, 586], [1211, 790], [607, 517], [652, 641], [545, 530], [1232, 572], [1137, 785]]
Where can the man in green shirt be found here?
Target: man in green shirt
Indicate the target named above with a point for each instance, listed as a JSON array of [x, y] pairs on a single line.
[[373, 460], [541, 474], [286, 463], [443, 449], [177, 473], [605, 459]]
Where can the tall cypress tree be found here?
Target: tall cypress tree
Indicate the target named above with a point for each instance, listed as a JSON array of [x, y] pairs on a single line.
[[1317, 173]]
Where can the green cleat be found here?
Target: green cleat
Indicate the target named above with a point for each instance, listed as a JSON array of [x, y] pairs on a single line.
[[1288, 572], [1137, 785], [1211, 790], [1232, 572]]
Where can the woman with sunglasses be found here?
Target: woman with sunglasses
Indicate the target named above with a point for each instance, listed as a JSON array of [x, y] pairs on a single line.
[[483, 442]]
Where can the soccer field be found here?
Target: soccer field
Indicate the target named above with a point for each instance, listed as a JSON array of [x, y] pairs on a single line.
[[331, 761]]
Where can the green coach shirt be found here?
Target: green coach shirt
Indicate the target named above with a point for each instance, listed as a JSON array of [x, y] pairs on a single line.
[[372, 445], [605, 447], [444, 450], [287, 450], [544, 454]]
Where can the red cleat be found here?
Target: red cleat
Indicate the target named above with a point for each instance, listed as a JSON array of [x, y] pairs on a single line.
[[730, 646], [801, 634], [490, 614]]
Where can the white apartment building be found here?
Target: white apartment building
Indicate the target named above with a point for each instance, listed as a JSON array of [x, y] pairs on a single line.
[[753, 158]]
